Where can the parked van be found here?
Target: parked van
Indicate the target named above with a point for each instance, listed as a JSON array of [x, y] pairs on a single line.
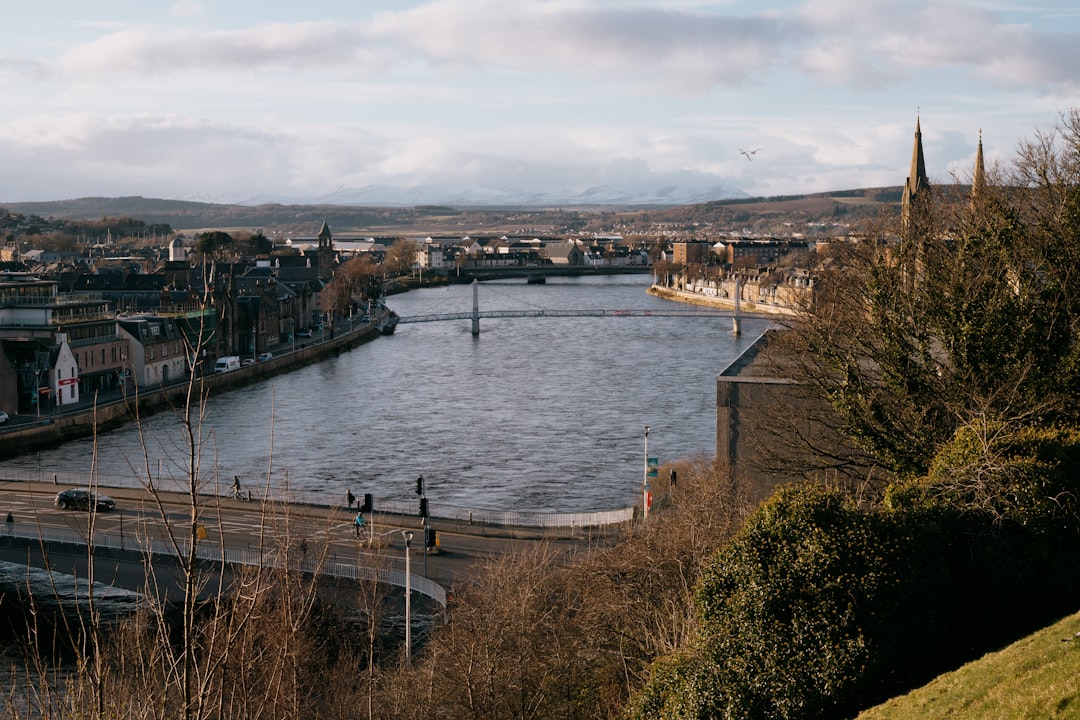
[[227, 363]]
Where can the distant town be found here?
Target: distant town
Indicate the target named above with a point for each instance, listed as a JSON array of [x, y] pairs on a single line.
[[118, 303]]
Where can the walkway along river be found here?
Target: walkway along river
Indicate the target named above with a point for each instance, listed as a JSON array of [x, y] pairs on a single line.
[[540, 414]]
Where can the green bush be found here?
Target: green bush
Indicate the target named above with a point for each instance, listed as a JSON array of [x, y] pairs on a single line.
[[1027, 477], [820, 607], [803, 606]]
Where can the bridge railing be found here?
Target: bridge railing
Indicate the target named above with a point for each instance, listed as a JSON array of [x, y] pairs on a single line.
[[478, 516], [209, 551]]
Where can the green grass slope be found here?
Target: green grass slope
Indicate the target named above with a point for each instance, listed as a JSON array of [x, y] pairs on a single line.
[[1036, 677]]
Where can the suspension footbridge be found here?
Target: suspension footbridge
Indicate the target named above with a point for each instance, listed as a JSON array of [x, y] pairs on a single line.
[[476, 314]]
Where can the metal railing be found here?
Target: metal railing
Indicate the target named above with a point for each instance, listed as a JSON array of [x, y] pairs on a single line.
[[208, 551], [100, 340], [478, 516]]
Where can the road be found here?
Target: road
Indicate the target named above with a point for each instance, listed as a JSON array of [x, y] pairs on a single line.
[[304, 528]]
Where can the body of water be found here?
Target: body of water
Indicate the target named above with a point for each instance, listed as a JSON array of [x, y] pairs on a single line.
[[534, 414]]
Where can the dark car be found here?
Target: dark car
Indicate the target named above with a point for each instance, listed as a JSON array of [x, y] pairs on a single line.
[[79, 499]]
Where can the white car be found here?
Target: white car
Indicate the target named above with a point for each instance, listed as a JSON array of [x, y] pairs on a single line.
[[3, 416], [263, 357]]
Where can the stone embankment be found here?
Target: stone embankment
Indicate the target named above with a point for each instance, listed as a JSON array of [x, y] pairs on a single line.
[[95, 413], [724, 303]]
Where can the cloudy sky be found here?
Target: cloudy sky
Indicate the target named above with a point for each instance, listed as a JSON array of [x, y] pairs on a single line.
[[244, 100]]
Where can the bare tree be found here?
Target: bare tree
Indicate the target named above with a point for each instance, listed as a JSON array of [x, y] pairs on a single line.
[[556, 633], [401, 256]]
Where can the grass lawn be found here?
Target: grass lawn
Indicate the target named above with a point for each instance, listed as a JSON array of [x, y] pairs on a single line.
[[1036, 677]]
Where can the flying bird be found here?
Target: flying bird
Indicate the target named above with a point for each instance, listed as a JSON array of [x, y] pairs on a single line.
[[748, 153]]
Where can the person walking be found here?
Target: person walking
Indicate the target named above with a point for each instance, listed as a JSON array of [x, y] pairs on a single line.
[[358, 523], [236, 486], [349, 498]]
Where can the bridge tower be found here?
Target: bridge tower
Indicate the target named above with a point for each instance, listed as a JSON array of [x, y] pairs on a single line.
[[475, 308], [736, 324]]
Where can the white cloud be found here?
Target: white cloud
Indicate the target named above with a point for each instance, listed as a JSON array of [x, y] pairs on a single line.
[[187, 9], [561, 94]]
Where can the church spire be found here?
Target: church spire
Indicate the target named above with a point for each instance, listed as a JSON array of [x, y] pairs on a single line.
[[978, 180], [917, 184]]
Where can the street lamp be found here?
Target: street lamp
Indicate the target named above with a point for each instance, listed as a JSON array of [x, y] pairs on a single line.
[[645, 477], [408, 596]]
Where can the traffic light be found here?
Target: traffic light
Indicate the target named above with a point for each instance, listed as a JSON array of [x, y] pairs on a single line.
[[420, 485], [368, 502], [423, 507], [431, 540]]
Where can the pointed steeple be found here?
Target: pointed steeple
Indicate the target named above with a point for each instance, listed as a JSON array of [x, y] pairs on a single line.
[[917, 184], [978, 180], [917, 177]]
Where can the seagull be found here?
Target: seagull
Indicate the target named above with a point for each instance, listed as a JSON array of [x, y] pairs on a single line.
[[748, 153]]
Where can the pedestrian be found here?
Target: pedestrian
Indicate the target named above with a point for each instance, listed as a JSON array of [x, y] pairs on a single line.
[[349, 498], [236, 486], [358, 523]]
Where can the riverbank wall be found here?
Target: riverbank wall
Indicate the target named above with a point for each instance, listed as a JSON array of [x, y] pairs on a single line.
[[102, 411], [699, 297]]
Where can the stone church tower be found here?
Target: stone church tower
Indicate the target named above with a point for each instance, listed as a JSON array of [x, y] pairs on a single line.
[[326, 252], [916, 196]]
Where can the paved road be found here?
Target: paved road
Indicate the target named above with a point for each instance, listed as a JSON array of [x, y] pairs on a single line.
[[251, 525]]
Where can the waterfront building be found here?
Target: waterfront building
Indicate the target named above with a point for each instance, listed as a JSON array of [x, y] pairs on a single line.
[[158, 353], [40, 328], [757, 251], [691, 252]]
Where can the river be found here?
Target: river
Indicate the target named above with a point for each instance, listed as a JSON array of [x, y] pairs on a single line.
[[534, 414]]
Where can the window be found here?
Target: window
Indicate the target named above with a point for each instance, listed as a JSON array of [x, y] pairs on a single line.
[[151, 353]]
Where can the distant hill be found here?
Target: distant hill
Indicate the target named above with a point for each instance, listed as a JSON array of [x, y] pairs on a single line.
[[185, 215], [812, 207]]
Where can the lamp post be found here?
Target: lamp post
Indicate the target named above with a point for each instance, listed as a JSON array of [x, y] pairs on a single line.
[[408, 597], [645, 478]]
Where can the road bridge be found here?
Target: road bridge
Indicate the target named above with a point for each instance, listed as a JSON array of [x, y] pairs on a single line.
[[133, 544]]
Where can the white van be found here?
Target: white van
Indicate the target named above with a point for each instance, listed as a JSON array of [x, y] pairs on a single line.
[[227, 363]]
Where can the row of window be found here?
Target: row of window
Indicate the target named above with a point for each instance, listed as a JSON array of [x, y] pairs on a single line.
[[164, 350], [92, 357]]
